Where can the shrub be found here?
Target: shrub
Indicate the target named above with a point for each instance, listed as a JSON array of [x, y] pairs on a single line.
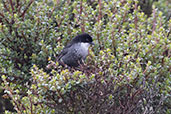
[[26, 38], [127, 71]]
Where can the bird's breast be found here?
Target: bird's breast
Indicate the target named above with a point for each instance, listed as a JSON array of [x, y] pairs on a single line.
[[83, 50]]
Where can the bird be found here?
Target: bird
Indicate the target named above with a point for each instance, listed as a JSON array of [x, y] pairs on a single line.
[[76, 51]]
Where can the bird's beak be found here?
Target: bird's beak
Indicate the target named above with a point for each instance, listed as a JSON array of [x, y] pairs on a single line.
[[92, 43]]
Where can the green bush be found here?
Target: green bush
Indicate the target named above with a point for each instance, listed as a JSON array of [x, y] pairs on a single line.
[[127, 71]]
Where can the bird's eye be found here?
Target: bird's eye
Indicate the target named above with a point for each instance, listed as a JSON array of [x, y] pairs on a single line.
[[86, 39]]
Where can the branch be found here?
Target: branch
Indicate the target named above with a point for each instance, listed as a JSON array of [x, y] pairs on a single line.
[[11, 6], [22, 15], [5, 6], [1, 14]]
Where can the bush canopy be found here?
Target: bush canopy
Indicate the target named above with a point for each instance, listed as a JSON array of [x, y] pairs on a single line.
[[128, 71]]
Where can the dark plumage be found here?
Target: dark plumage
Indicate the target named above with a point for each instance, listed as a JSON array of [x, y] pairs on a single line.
[[75, 51]]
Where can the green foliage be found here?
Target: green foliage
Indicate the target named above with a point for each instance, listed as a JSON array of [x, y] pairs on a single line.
[[26, 37], [164, 6], [127, 71]]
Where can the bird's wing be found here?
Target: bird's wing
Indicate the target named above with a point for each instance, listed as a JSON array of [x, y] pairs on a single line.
[[64, 51]]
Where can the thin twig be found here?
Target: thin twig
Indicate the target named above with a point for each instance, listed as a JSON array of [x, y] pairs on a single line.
[[22, 15]]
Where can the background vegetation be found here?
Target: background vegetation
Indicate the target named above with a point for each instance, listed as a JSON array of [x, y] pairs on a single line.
[[128, 71]]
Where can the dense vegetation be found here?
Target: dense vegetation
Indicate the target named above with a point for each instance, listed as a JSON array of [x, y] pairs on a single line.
[[128, 71]]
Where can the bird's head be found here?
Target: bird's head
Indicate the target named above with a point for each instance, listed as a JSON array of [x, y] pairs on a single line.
[[83, 38]]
